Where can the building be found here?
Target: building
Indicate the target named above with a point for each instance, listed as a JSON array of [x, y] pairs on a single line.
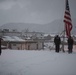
[[32, 35], [6, 32], [21, 40], [14, 42]]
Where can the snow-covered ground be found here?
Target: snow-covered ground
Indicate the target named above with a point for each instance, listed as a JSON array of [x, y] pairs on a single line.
[[37, 62]]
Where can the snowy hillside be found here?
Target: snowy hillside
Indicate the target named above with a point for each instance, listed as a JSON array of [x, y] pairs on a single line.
[[43, 62], [56, 26]]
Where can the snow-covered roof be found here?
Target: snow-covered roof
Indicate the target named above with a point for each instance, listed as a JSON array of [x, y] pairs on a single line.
[[49, 34], [46, 34], [7, 38], [17, 38], [12, 38]]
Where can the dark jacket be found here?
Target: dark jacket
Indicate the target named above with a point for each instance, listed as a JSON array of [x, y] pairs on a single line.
[[57, 40], [70, 41]]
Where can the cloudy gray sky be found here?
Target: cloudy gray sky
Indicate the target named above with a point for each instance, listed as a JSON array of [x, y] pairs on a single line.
[[34, 11]]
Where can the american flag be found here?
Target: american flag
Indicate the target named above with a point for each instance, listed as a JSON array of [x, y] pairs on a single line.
[[67, 20]]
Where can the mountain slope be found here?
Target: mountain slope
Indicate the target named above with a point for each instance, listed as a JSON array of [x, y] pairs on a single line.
[[57, 26]]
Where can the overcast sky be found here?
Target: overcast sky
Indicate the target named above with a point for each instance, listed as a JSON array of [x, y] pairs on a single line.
[[34, 11]]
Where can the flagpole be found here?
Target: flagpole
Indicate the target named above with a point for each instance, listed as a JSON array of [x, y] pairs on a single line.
[[63, 37], [63, 42]]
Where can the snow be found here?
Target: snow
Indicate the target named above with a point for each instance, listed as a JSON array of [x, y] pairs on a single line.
[[12, 38], [37, 62], [17, 38], [8, 38]]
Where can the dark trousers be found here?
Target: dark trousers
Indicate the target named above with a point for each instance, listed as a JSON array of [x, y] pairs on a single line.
[[0, 48], [70, 47], [0, 51], [70, 51], [57, 48]]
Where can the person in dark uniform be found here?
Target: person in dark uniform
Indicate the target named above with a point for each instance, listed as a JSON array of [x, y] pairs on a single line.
[[57, 42], [0, 47], [70, 44]]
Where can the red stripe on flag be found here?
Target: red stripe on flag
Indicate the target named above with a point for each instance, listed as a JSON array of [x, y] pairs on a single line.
[[67, 13], [68, 18], [69, 23]]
